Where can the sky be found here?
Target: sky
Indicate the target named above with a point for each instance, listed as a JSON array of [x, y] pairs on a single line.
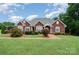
[[14, 12]]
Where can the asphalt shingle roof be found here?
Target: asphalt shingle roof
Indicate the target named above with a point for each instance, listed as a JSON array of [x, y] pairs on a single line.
[[42, 20]]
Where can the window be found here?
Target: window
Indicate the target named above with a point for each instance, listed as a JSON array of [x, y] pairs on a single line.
[[39, 28], [20, 27], [57, 22], [57, 29], [27, 29]]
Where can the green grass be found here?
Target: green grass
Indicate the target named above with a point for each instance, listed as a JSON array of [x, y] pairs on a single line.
[[65, 45]]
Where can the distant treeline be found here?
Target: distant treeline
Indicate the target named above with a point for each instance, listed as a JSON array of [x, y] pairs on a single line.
[[6, 24]]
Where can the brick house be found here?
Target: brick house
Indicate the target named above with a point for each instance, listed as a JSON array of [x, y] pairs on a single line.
[[37, 24]]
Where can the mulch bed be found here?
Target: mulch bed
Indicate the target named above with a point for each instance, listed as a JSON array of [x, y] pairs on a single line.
[[50, 36]]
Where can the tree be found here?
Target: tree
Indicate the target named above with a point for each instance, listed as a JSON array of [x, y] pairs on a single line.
[[1, 26], [71, 18], [8, 24], [55, 18], [5, 25]]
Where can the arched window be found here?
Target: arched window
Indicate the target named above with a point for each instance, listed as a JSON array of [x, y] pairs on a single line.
[[57, 29]]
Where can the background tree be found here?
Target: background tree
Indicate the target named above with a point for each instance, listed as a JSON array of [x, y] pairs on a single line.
[[5, 25], [8, 24], [71, 18], [55, 18]]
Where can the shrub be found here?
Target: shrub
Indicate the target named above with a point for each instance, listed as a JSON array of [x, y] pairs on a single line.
[[16, 32], [35, 33], [39, 32], [31, 33], [4, 31], [59, 33], [27, 32], [45, 32]]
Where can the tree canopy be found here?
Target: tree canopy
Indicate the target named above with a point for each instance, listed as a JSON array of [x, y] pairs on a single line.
[[6, 24], [71, 18]]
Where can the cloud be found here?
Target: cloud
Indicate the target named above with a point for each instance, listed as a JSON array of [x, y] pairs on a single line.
[[60, 4], [57, 9], [61, 7], [49, 4], [11, 4], [31, 17], [52, 14], [6, 8], [46, 10], [15, 18]]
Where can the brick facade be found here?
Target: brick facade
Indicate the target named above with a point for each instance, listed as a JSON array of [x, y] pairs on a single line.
[[62, 28], [55, 24]]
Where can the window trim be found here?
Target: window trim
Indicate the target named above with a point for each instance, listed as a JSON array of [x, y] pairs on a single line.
[[57, 29], [27, 28]]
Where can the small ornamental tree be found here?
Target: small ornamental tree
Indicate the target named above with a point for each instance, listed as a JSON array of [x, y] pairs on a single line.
[[45, 32], [16, 32]]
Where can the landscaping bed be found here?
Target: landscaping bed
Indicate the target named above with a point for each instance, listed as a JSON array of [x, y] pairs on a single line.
[[39, 36]]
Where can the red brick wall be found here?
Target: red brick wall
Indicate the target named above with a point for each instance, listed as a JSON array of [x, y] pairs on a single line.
[[39, 23], [26, 24], [62, 28]]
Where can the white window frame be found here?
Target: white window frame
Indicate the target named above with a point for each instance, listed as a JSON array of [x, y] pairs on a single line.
[[27, 28], [20, 27], [57, 29]]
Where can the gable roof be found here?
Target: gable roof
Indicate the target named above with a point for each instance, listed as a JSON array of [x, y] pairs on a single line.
[[44, 21], [23, 22], [61, 22], [39, 23]]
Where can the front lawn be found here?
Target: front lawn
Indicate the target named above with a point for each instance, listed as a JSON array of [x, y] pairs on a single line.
[[64, 45]]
